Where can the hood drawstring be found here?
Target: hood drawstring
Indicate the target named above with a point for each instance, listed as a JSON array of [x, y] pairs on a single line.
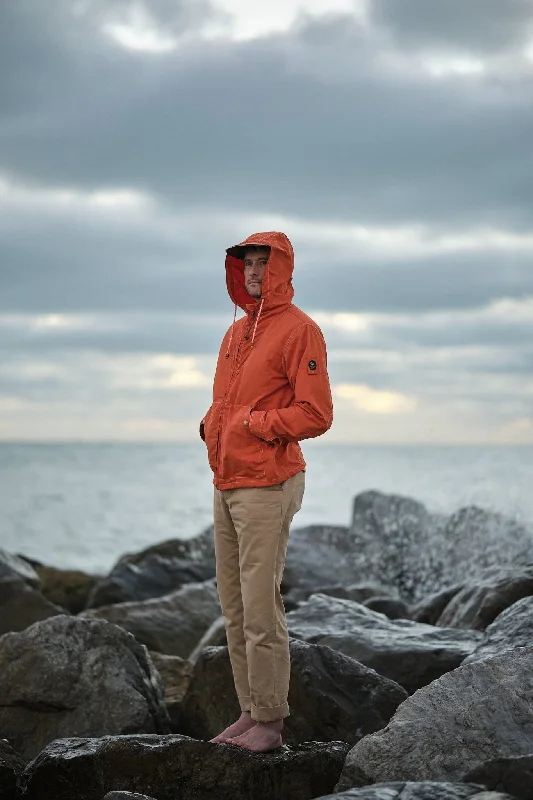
[[231, 334], [257, 320]]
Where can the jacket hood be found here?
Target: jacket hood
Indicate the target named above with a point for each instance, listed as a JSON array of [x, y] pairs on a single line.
[[277, 290]]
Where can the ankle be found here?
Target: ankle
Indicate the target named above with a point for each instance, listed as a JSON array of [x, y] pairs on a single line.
[[275, 725]]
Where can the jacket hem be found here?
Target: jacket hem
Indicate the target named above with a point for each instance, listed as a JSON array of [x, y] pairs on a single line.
[[256, 483]]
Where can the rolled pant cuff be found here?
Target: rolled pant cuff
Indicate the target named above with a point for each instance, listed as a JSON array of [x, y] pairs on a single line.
[[245, 702], [269, 713]]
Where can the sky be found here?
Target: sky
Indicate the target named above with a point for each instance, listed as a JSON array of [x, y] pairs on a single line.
[[391, 140]]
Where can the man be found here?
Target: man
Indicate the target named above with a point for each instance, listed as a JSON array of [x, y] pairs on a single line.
[[271, 390]]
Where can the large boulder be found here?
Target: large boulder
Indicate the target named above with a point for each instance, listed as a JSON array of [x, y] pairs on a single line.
[[483, 597], [431, 606], [199, 548], [68, 676], [331, 696], [512, 628], [423, 790], [172, 624], [319, 555], [168, 767], [11, 767], [513, 775], [396, 541], [21, 601], [478, 712], [410, 653], [176, 674], [155, 575]]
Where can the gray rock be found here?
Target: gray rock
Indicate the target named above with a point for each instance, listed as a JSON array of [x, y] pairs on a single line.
[[172, 624], [21, 605], [215, 636], [512, 628], [513, 775], [17, 568], [410, 653], [478, 712], [176, 674], [396, 541], [153, 576], [127, 796], [69, 676], [393, 609], [11, 767], [423, 790], [170, 767], [199, 548], [331, 696], [484, 597], [430, 608], [319, 555]]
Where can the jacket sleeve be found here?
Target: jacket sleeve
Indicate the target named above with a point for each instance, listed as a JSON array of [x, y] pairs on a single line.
[[311, 414]]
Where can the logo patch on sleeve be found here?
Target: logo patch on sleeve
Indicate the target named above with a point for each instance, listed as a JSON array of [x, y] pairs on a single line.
[[312, 367]]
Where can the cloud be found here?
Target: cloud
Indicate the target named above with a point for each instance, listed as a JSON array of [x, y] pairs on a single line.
[[374, 401]]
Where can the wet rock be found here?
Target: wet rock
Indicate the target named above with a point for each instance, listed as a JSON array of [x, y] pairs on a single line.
[[70, 676], [478, 712], [331, 696], [67, 588], [11, 767], [410, 653], [17, 568], [176, 674], [512, 628], [21, 605], [172, 624], [481, 599], [396, 541], [423, 790], [393, 609], [153, 576], [430, 608], [168, 767], [215, 636], [513, 775]]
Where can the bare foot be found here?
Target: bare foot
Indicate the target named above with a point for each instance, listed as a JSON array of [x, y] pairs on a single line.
[[264, 736], [243, 724]]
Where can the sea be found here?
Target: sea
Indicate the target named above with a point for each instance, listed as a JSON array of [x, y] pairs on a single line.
[[82, 506]]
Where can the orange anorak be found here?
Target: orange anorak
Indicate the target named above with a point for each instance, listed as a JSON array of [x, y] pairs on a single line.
[[271, 386]]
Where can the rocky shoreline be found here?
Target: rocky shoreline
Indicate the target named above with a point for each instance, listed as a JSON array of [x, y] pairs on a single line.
[[411, 668]]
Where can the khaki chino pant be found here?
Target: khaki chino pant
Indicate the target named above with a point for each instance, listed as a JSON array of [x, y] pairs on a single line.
[[251, 535]]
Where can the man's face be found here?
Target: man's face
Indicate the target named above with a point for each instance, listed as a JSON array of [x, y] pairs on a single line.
[[255, 262]]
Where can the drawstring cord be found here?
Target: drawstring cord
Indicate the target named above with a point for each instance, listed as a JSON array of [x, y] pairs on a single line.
[[231, 334], [257, 320]]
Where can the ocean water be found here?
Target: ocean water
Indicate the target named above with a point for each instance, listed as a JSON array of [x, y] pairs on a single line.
[[84, 505]]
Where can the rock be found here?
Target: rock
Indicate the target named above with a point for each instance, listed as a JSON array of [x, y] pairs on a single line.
[[360, 592], [423, 790], [512, 628], [317, 555], [484, 597], [410, 653], [170, 767], [172, 624], [127, 796], [154, 576], [16, 568], [430, 608], [70, 676], [67, 588], [176, 674], [21, 605], [513, 775], [393, 609], [215, 636], [199, 548], [11, 767], [396, 541], [331, 696], [477, 712]]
